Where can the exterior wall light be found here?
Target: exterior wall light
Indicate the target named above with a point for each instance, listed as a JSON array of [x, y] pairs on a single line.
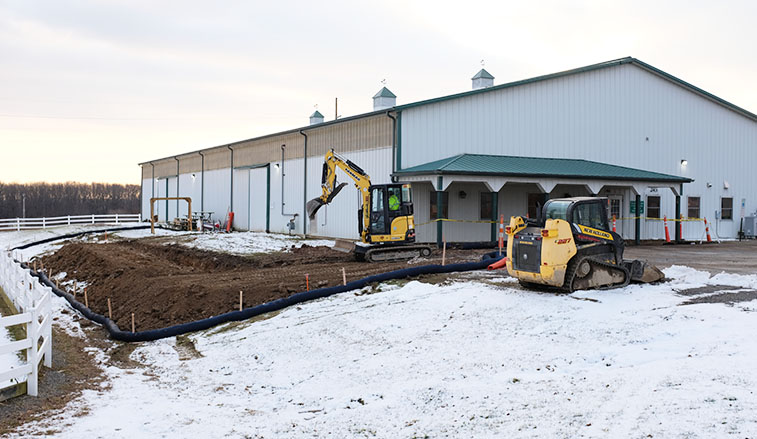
[[684, 162]]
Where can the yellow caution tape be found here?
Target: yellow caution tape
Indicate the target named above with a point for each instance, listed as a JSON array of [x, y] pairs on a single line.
[[457, 221]]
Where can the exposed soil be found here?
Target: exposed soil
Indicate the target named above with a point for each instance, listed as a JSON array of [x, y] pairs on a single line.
[[718, 294], [168, 284]]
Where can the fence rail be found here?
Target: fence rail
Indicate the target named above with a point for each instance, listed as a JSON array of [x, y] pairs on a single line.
[[43, 223], [33, 301]]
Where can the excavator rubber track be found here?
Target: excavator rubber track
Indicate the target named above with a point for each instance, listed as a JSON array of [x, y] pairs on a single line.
[[392, 253], [586, 273]]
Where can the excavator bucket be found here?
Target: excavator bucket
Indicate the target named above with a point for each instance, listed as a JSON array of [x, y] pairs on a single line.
[[343, 245], [313, 205]]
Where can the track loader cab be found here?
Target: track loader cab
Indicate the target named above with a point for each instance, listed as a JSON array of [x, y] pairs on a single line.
[[570, 246]]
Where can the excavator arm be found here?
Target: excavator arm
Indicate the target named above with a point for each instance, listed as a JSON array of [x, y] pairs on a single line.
[[330, 188]]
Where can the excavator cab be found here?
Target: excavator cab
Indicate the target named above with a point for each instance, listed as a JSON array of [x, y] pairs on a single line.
[[391, 210]]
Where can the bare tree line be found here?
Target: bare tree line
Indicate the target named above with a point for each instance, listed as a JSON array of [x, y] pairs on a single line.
[[58, 199]]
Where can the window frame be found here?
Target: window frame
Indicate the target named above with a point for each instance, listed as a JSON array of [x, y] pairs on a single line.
[[482, 197], [698, 207], [723, 209], [445, 205], [659, 206]]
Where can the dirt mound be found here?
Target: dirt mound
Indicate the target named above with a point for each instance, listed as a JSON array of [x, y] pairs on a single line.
[[168, 284]]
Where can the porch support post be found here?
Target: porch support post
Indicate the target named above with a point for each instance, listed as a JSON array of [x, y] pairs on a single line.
[[678, 217], [495, 215], [439, 225], [638, 220]]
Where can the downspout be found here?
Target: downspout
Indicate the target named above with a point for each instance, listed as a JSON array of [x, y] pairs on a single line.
[[399, 141], [305, 186], [202, 181], [231, 180], [177, 185], [394, 141], [152, 185]]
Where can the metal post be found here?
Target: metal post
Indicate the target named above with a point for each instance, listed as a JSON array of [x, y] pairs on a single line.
[[495, 215], [23, 205], [439, 225], [678, 217], [637, 241]]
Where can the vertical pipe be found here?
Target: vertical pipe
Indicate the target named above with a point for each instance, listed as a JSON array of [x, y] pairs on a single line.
[[231, 180], [177, 185], [637, 240], [202, 181], [268, 198], [394, 141], [152, 187], [399, 141], [439, 228], [305, 186]]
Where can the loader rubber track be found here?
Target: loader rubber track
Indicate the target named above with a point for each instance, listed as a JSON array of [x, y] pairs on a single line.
[[601, 275]]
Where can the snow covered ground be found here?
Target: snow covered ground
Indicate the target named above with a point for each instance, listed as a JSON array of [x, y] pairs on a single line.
[[477, 357]]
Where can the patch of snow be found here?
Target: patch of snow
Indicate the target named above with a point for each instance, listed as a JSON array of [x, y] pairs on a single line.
[[9, 360], [242, 243], [460, 360]]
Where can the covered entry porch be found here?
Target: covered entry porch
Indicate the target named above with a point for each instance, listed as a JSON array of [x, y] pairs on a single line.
[[460, 199]]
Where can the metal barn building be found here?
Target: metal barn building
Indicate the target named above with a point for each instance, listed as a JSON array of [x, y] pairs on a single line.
[[655, 145]]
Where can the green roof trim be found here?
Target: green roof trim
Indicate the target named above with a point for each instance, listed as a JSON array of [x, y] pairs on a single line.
[[384, 93], [483, 74], [502, 165], [316, 113]]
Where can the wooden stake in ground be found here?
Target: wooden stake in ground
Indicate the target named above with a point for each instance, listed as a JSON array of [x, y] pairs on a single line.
[[86, 302], [444, 252], [344, 277], [74, 288], [110, 310], [35, 265], [240, 300], [56, 284], [132, 322], [307, 282]]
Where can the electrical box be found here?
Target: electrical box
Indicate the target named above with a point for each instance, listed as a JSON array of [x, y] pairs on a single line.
[[750, 226]]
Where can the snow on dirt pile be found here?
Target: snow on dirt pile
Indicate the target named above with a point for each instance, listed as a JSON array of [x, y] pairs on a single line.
[[467, 359], [251, 242]]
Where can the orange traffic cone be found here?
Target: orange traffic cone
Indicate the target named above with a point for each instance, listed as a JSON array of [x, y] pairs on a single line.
[[707, 229], [613, 224], [667, 233]]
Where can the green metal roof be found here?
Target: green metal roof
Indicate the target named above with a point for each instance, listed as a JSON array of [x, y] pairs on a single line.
[[316, 114], [483, 74], [483, 164], [384, 93]]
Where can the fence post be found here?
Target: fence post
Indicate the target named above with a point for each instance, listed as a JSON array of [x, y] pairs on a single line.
[[31, 332], [93, 218], [116, 218], [69, 220], [18, 224], [43, 223], [48, 335]]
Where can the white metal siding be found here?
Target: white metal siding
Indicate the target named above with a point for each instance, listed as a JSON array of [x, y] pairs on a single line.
[[605, 115], [241, 199]]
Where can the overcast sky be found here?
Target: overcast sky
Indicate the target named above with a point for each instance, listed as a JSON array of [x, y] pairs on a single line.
[[88, 89]]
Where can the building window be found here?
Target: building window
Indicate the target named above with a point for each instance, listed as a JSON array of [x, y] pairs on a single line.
[[445, 204], [726, 208], [693, 203], [487, 200], [653, 206]]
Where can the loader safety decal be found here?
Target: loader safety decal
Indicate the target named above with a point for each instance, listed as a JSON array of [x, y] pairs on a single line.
[[594, 232]]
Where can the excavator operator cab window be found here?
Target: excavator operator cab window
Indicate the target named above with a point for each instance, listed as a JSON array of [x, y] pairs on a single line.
[[378, 224], [591, 215]]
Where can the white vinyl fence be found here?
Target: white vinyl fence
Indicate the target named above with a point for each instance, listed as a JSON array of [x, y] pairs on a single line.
[[43, 223], [33, 302]]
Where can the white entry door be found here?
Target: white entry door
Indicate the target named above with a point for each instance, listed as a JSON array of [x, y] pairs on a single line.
[[258, 190]]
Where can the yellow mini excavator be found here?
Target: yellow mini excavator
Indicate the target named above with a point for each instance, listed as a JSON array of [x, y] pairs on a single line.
[[570, 246], [385, 217]]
